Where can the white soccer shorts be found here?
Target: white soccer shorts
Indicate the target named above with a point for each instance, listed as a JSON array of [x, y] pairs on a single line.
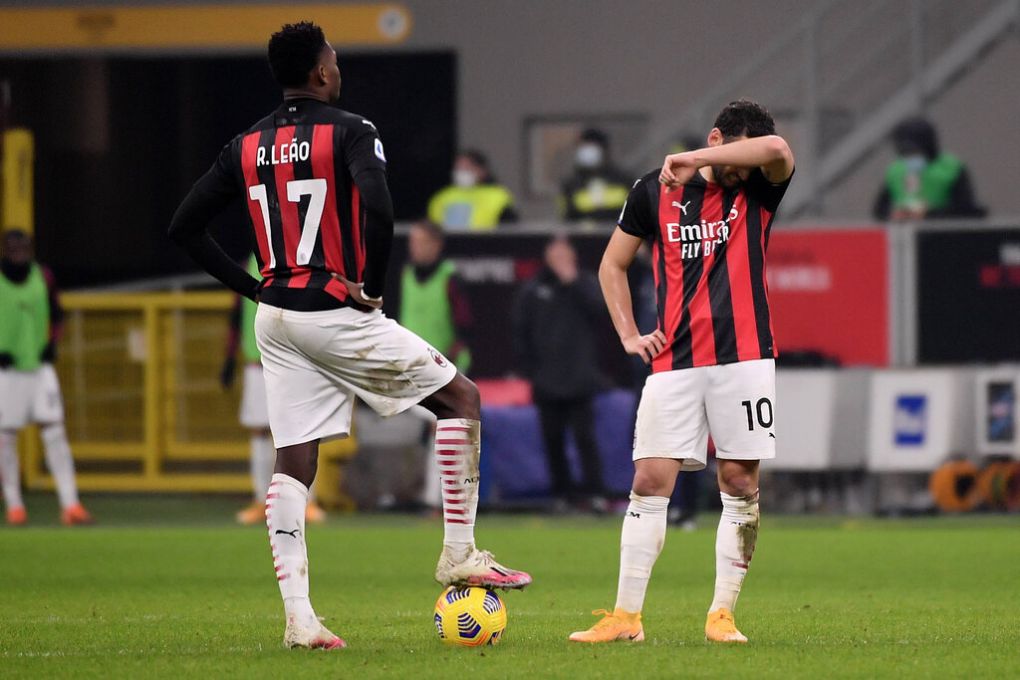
[[315, 363], [30, 397], [734, 402], [254, 407]]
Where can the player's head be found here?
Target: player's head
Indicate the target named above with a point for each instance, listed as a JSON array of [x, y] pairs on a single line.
[[17, 248], [424, 243], [559, 252], [302, 59], [740, 119], [471, 167]]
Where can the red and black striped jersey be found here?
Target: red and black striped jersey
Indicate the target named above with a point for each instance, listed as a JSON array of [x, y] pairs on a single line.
[[708, 258], [296, 168]]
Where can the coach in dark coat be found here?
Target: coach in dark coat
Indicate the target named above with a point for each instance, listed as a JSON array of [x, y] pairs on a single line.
[[556, 319]]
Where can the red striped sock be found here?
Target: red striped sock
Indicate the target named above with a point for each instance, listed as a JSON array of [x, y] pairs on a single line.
[[457, 450]]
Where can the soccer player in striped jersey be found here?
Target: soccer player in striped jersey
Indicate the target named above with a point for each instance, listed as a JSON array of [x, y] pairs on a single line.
[[314, 180], [707, 215]]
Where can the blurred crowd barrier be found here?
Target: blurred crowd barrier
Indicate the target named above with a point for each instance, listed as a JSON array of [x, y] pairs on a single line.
[[144, 407]]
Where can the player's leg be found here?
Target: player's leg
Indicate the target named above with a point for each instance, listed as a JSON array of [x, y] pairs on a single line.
[[457, 406], [48, 411], [304, 406], [15, 407], [740, 405], [254, 416], [671, 435]]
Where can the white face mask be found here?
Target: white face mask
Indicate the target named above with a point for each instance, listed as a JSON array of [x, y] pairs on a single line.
[[464, 178], [589, 156], [915, 162]]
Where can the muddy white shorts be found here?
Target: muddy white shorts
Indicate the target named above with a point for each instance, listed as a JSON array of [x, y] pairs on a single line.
[[254, 409], [30, 397], [315, 363], [733, 402]]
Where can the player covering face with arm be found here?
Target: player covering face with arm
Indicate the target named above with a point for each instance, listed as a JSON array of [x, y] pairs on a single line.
[[707, 214], [313, 179]]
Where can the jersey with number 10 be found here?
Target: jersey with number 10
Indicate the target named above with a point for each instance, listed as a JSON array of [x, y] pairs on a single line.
[[708, 257], [297, 168]]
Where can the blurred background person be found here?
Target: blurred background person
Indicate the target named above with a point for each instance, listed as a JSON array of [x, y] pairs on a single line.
[[475, 200], [924, 182], [254, 413], [433, 305], [555, 325], [30, 324], [597, 190]]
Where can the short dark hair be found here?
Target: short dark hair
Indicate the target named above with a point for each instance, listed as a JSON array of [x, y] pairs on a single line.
[[294, 51], [745, 117]]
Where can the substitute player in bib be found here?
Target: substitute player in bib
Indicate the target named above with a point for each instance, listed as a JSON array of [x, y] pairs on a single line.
[[707, 216], [314, 181], [30, 318]]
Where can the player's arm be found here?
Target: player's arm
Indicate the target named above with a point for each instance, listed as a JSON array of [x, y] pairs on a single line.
[[366, 162], [771, 153], [616, 289], [49, 353], [189, 228]]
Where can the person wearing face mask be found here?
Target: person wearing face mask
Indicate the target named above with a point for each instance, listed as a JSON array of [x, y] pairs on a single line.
[[597, 189], [30, 321], [475, 200], [924, 182]]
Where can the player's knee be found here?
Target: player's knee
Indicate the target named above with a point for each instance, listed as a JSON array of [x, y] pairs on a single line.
[[463, 399], [651, 484], [738, 482]]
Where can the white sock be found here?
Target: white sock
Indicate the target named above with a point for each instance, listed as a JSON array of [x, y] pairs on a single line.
[[734, 546], [285, 517], [431, 493], [263, 459], [60, 463], [644, 531], [10, 475], [458, 446]]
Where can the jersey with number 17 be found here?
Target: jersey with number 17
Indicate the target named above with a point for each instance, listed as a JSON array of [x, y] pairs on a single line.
[[297, 167]]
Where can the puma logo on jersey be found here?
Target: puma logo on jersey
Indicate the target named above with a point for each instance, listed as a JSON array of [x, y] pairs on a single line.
[[682, 206]]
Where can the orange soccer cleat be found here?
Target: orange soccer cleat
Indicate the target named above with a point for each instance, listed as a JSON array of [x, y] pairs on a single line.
[[619, 625], [720, 627], [75, 515], [253, 514], [314, 514], [17, 517]]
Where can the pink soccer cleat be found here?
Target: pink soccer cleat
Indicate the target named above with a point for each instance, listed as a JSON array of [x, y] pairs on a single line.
[[479, 568]]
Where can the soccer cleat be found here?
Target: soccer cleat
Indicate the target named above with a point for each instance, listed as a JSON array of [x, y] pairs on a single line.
[[297, 635], [75, 515], [619, 625], [720, 627], [253, 514], [17, 517], [314, 514], [478, 568]]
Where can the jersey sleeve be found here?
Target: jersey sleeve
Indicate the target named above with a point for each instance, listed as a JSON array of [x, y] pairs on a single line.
[[638, 217], [764, 191], [363, 148]]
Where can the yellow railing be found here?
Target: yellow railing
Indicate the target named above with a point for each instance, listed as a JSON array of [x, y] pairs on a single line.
[[144, 407]]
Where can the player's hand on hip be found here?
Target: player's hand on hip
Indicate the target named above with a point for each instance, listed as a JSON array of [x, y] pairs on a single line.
[[677, 169], [645, 346], [357, 294]]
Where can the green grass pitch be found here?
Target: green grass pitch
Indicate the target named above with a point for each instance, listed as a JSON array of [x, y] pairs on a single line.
[[168, 588]]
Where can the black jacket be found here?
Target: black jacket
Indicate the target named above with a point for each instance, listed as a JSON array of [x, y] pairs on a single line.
[[555, 330]]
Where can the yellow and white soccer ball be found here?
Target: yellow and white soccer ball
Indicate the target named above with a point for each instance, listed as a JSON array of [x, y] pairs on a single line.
[[471, 617]]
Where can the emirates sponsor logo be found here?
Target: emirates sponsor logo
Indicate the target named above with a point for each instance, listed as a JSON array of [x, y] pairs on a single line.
[[702, 238]]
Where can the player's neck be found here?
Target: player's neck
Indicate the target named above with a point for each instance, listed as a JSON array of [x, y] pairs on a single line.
[[301, 93]]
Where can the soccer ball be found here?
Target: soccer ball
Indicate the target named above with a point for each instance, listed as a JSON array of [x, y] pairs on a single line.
[[471, 617]]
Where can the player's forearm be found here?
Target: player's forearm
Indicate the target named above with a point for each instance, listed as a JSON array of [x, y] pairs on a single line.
[[616, 291], [375, 198], [747, 153]]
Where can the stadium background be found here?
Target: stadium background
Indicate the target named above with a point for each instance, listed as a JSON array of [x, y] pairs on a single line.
[[922, 317]]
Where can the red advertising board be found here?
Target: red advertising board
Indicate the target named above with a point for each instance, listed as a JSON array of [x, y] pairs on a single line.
[[829, 292]]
